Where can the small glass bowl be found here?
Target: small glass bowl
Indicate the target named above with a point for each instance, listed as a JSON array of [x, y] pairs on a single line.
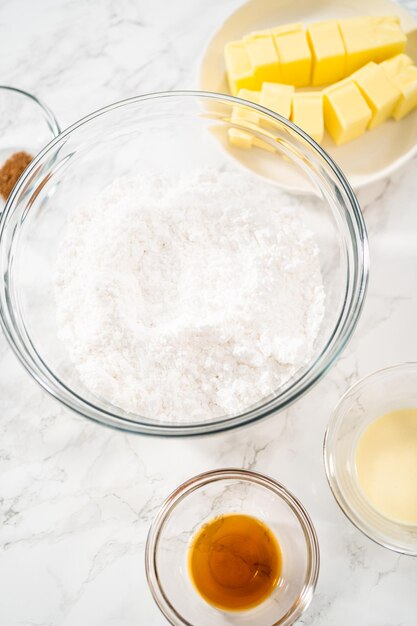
[[221, 492], [383, 391], [26, 125]]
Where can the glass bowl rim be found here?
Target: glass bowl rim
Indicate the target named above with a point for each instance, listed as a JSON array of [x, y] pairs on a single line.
[[342, 330], [205, 478], [46, 111], [328, 455]]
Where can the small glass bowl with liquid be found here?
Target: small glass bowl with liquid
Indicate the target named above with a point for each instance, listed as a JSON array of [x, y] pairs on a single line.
[[387, 392], [211, 523]]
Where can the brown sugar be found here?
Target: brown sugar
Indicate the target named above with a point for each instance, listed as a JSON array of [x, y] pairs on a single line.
[[235, 562], [11, 170]]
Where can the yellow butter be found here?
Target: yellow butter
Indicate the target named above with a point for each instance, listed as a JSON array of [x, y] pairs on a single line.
[[249, 94], [240, 138], [371, 39], [245, 140], [396, 64], [238, 67], [244, 117], [379, 91], [328, 50], [263, 58], [277, 97], [264, 145], [256, 33], [242, 114], [346, 113], [293, 53], [307, 113], [406, 82], [389, 37]]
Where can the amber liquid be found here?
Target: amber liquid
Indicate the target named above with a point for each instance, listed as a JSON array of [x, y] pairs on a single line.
[[235, 562]]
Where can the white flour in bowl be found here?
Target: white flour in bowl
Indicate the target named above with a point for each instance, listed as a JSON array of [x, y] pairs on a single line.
[[189, 298]]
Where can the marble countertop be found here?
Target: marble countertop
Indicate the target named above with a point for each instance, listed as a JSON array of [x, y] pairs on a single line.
[[76, 499]]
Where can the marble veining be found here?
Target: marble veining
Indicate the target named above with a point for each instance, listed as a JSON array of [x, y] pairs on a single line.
[[76, 499]]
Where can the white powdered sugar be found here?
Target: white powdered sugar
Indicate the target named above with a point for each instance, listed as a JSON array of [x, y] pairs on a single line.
[[190, 298]]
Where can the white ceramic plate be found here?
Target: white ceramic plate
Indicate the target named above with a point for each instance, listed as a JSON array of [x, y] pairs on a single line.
[[378, 152]]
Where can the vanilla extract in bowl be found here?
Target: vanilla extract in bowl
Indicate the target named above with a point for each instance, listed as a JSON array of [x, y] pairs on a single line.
[[235, 562]]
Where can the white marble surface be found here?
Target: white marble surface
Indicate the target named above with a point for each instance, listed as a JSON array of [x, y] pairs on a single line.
[[76, 499]]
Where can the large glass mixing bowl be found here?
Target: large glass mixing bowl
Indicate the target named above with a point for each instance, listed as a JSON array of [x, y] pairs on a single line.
[[171, 133]]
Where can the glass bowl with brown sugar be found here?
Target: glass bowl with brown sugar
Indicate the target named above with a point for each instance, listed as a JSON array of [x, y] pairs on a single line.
[[26, 126]]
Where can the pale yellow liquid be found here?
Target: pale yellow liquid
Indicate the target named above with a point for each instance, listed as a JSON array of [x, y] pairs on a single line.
[[386, 465]]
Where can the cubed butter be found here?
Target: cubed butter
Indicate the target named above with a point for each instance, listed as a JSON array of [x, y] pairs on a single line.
[[346, 113], [293, 53], [371, 39], [379, 91], [256, 33], [389, 37], [263, 58], [328, 50], [406, 81], [395, 65], [240, 138], [264, 145], [244, 117], [249, 94], [245, 140], [307, 113], [240, 114], [238, 67], [277, 97]]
